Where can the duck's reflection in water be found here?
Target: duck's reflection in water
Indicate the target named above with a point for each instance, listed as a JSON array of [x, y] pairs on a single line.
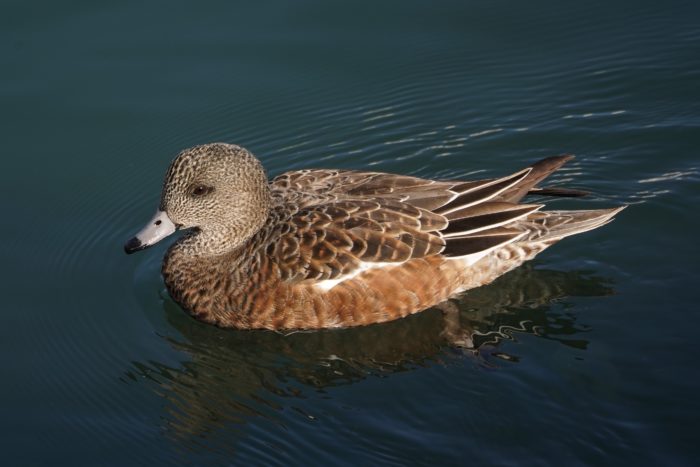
[[231, 376]]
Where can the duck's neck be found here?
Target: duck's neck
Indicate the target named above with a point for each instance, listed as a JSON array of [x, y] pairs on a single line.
[[204, 284], [206, 271]]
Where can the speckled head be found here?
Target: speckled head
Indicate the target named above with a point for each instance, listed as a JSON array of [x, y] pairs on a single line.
[[219, 189]]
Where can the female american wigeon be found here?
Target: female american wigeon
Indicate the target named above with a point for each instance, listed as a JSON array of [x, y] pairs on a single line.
[[337, 248]]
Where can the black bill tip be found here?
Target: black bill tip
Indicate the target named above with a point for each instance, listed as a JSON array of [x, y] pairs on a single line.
[[134, 245]]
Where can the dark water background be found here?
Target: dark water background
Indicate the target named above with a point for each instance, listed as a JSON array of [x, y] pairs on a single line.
[[587, 356]]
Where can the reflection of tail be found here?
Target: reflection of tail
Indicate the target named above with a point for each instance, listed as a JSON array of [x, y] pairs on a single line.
[[519, 302]]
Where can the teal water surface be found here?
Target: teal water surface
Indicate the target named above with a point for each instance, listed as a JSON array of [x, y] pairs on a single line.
[[586, 356]]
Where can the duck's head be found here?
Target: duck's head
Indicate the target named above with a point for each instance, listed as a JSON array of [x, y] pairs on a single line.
[[219, 189]]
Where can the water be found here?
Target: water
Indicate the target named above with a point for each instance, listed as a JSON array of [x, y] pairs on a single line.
[[587, 356]]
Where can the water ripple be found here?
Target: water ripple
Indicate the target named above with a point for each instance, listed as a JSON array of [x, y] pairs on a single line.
[[480, 92]]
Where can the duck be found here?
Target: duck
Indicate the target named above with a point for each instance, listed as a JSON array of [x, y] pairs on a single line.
[[333, 248]]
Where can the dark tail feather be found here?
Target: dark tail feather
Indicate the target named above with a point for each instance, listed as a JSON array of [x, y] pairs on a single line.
[[559, 192], [540, 171]]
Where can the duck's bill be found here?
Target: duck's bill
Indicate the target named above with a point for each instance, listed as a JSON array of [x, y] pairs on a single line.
[[156, 230]]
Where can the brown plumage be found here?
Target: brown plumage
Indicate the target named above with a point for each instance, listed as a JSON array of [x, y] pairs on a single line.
[[338, 248]]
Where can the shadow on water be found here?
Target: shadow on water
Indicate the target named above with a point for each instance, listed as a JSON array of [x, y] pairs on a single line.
[[232, 376]]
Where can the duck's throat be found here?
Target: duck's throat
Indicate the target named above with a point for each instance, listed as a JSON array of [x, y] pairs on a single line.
[[210, 244]]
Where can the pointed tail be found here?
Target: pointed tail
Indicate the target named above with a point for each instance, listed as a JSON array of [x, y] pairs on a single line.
[[555, 225]]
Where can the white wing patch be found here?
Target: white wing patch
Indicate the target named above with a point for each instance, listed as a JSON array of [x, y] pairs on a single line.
[[328, 284], [467, 260]]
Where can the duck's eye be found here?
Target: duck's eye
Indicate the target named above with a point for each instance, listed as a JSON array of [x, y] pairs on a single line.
[[201, 190]]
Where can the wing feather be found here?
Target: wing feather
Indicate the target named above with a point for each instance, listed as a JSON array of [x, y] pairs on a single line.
[[473, 195], [487, 216], [334, 239], [334, 224]]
